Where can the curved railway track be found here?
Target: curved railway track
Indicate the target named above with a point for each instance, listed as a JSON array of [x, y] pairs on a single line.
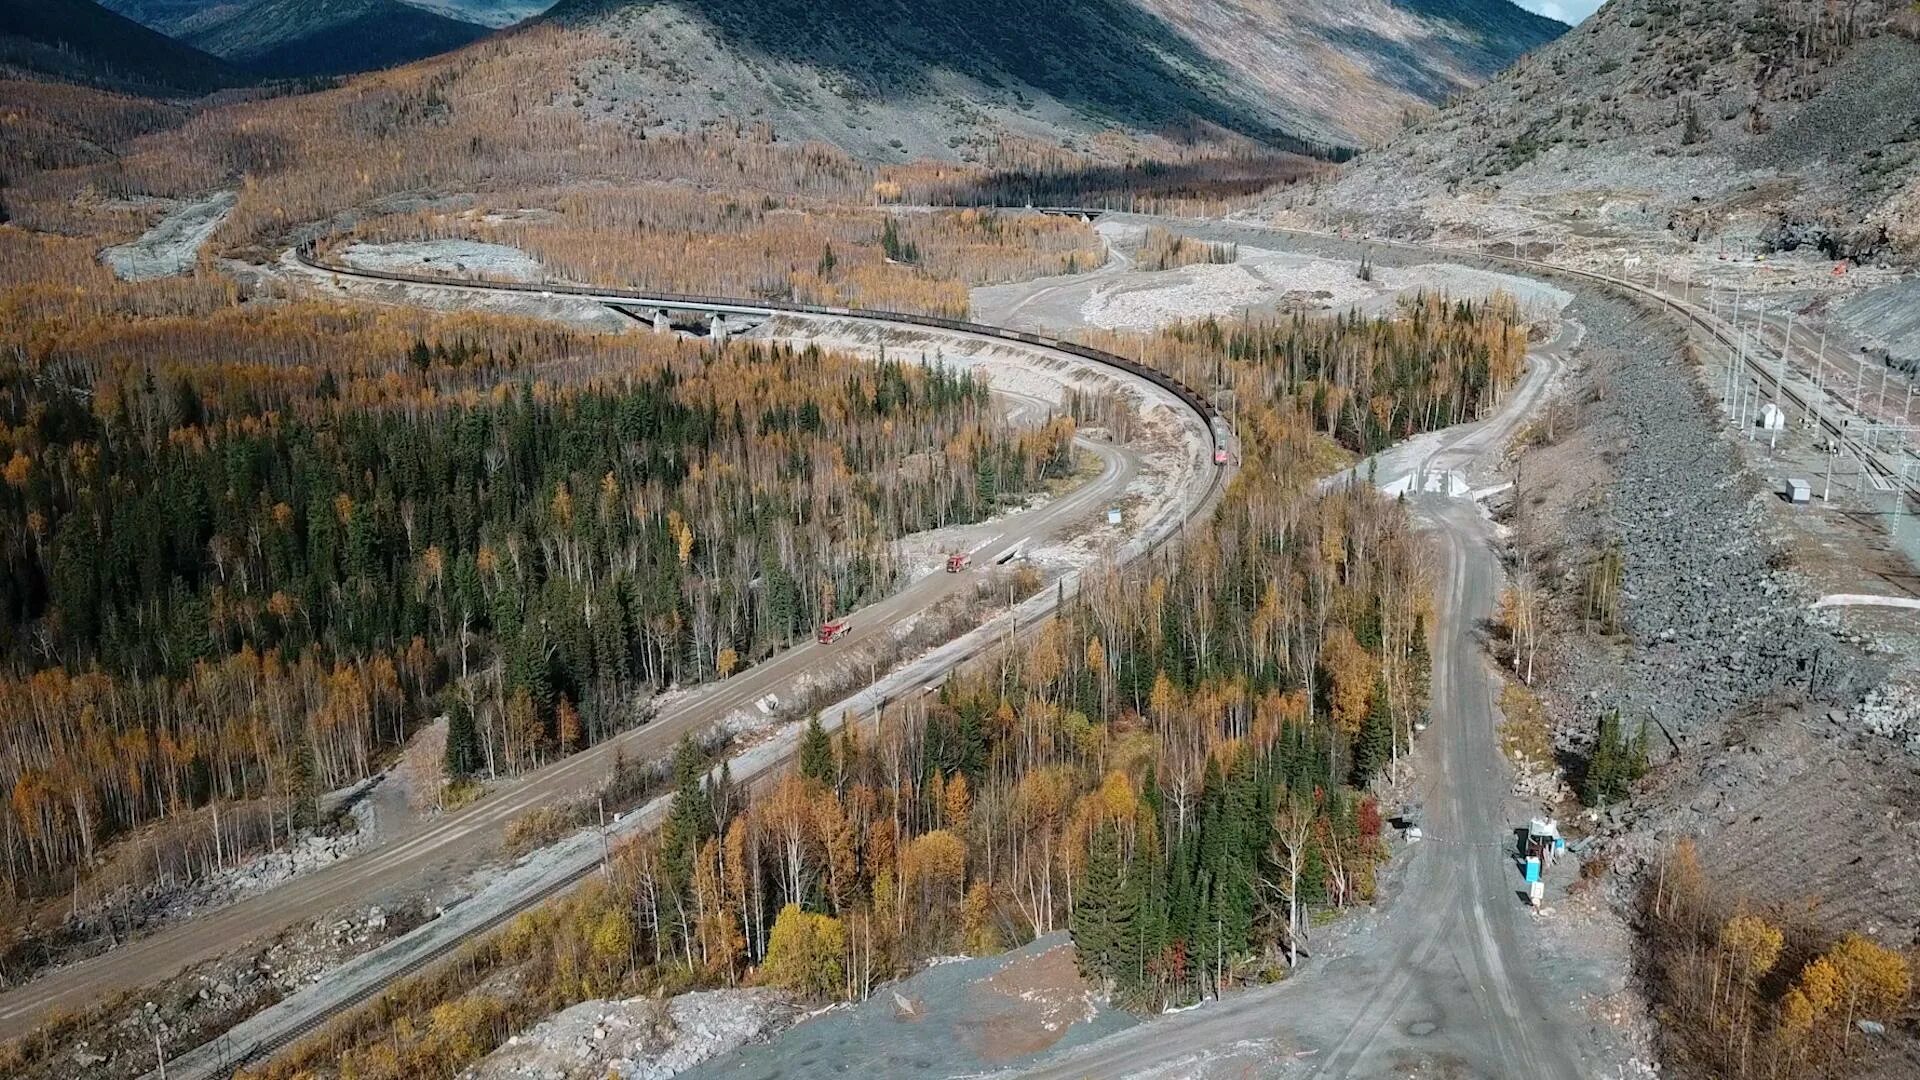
[[736, 305], [237, 1057], [1888, 475], [230, 1057]]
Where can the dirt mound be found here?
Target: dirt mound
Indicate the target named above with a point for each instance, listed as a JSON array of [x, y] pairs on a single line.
[[1043, 996]]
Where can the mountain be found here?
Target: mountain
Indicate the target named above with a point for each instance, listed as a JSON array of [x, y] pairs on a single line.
[[898, 79], [1795, 124], [290, 38], [80, 41], [494, 13], [170, 17], [178, 18]]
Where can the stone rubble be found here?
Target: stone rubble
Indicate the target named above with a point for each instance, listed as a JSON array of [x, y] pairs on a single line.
[[1714, 620], [1892, 712], [639, 1038]]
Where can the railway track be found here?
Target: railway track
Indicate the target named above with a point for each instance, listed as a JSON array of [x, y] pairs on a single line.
[[1719, 330], [231, 1057], [1887, 475], [736, 305], [1714, 327]]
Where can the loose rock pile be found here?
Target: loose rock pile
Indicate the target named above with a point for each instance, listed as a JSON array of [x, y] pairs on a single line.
[[1714, 622], [206, 1000], [1892, 712], [639, 1038]]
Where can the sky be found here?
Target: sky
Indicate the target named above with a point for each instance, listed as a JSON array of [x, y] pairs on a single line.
[[1567, 11]]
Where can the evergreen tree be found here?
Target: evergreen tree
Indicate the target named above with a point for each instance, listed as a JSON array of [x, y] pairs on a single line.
[[1147, 885], [816, 754], [1614, 763], [1123, 925], [1373, 746], [1637, 754], [463, 757], [1091, 921], [303, 806], [689, 816]]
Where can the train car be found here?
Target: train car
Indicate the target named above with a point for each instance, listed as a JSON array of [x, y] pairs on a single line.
[[1222, 438]]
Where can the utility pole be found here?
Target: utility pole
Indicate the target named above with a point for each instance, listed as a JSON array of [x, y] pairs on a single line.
[[1786, 348]]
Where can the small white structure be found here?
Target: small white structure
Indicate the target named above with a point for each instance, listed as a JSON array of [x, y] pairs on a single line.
[[1799, 490], [1773, 417], [1113, 515]]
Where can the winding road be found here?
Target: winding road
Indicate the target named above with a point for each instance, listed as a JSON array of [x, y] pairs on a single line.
[[1441, 985], [1444, 981], [406, 859]]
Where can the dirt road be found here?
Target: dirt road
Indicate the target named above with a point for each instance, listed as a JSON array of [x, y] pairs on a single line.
[[466, 839], [1440, 983]]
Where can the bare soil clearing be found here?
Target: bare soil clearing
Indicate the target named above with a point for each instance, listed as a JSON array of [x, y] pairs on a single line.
[[446, 258], [962, 1017], [172, 245], [1263, 279]]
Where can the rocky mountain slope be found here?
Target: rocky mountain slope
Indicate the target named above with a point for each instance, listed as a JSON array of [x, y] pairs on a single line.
[[324, 37], [1796, 122], [894, 79], [494, 13], [178, 18], [79, 41]]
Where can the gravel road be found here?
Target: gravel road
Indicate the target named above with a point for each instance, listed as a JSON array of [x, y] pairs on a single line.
[[1165, 423], [1438, 982]]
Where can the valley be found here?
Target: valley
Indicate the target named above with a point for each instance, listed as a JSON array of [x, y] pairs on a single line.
[[670, 538]]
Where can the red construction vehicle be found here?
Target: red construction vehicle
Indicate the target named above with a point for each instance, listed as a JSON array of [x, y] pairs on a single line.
[[958, 561], [833, 631]]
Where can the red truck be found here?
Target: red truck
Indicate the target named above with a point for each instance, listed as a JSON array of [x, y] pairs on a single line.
[[833, 631], [958, 561]]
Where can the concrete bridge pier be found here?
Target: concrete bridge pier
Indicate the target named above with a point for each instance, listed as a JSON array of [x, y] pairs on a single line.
[[662, 324], [717, 329]]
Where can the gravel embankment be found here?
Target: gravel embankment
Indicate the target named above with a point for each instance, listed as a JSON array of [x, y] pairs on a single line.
[[1714, 622], [172, 246], [639, 1038]]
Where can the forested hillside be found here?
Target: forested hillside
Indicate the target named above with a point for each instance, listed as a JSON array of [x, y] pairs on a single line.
[[892, 80], [1173, 769], [80, 41], [248, 549], [293, 38]]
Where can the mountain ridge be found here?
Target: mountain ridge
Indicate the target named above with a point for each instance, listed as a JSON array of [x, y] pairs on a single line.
[[82, 42], [893, 80], [1696, 116], [292, 38]]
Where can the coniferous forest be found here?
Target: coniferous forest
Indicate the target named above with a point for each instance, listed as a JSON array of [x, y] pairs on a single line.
[[249, 572], [1174, 770]]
